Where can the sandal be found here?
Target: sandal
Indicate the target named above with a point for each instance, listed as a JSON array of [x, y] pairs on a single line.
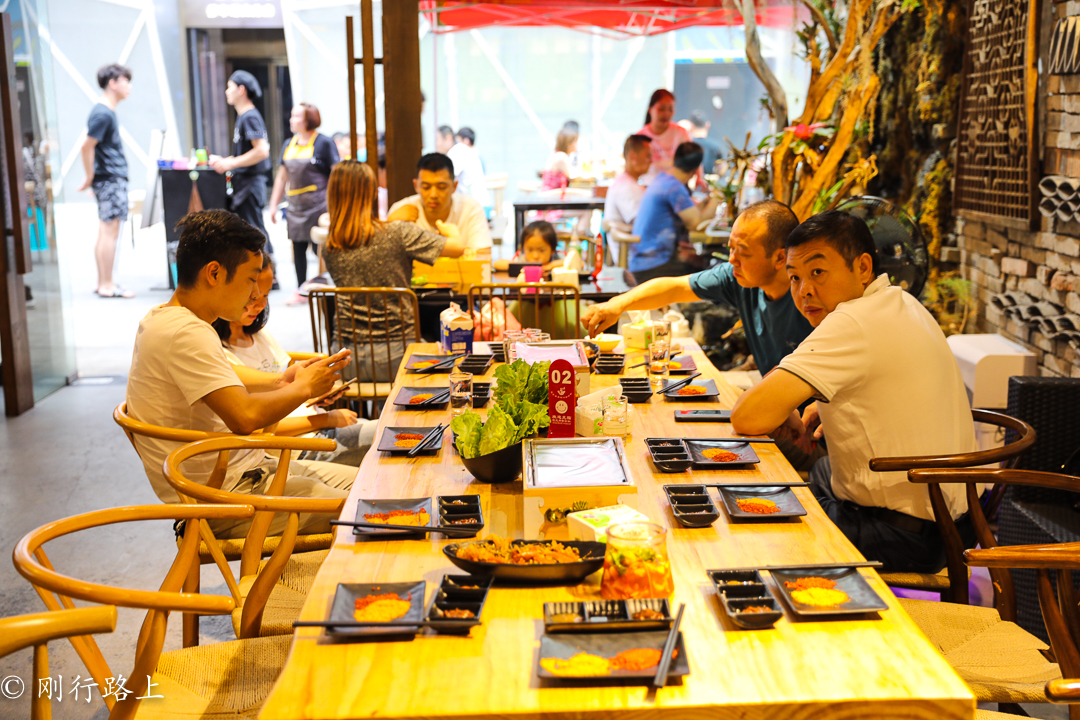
[[118, 292]]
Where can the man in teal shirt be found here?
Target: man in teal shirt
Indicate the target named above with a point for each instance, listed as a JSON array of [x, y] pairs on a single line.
[[754, 282]]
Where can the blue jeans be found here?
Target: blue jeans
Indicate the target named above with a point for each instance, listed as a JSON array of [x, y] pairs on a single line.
[[899, 549]]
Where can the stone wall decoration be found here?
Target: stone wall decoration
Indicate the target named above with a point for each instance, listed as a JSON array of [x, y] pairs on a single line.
[[1065, 47], [997, 159]]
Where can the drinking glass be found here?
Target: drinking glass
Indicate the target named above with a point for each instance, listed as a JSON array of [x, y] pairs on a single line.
[[542, 337], [636, 562], [662, 331], [460, 392], [509, 338], [658, 363], [616, 416], [532, 333]]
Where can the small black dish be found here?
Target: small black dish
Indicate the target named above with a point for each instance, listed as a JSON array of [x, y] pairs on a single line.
[[386, 443], [687, 366], [372, 507], [759, 620], [696, 516], [744, 450], [711, 392], [734, 578], [787, 505], [405, 393], [661, 443], [606, 616], [476, 364], [458, 592], [672, 463], [465, 503], [418, 363], [343, 607], [861, 597], [592, 351], [607, 645]]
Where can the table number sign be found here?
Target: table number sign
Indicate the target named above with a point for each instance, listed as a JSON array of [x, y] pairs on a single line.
[[561, 399]]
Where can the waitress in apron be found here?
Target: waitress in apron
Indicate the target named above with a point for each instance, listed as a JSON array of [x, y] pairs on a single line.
[[305, 167]]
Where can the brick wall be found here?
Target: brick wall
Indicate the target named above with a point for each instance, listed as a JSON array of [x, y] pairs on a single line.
[[1028, 282]]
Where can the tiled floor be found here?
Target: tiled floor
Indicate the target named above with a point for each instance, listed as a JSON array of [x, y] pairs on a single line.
[[66, 457]]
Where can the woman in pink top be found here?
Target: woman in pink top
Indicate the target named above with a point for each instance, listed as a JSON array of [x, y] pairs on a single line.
[[666, 135]]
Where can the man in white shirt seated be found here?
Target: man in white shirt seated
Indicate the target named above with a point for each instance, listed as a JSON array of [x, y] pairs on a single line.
[[180, 376], [470, 169], [886, 384], [437, 199], [624, 195]]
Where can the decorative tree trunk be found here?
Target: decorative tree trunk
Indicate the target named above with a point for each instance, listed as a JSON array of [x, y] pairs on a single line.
[[760, 68]]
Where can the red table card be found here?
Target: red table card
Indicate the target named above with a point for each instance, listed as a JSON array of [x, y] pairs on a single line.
[[561, 399]]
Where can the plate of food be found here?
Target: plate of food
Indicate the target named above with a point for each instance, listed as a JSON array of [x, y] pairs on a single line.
[[608, 656], [414, 511], [377, 602], [814, 591], [539, 561], [411, 398], [400, 440], [698, 389], [718, 452], [682, 365], [761, 502], [421, 362]]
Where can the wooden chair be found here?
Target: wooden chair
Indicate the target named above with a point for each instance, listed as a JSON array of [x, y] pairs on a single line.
[[999, 660], [38, 629], [952, 582], [223, 680], [229, 548], [622, 235], [539, 305], [332, 315], [269, 597]]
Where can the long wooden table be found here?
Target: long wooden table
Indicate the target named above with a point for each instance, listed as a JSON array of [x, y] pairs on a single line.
[[876, 667]]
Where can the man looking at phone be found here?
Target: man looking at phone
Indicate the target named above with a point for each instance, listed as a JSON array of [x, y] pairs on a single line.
[[180, 376]]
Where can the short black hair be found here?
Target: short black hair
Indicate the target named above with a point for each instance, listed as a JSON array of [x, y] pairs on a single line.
[[434, 162], [843, 232], [112, 72], [697, 119], [779, 222], [635, 143], [445, 130], [214, 235], [467, 133], [688, 156]]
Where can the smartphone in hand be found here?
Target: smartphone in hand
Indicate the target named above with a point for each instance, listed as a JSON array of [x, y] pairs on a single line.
[[337, 389]]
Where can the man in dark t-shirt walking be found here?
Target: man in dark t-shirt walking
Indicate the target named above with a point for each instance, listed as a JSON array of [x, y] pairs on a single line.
[[107, 173], [250, 161]]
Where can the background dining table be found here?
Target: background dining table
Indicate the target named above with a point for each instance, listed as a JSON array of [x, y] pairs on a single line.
[[877, 665]]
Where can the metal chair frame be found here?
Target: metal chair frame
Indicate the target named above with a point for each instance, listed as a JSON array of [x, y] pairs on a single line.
[[486, 292]]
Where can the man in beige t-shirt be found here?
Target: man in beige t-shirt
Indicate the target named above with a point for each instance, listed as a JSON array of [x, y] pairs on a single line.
[[181, 378]]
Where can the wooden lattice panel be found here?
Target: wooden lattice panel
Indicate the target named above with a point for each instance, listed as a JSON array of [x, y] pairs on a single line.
[[996, 162]]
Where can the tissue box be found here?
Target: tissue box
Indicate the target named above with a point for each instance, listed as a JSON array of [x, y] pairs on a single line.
[[455, 330], [592, 525], [638, 335], [556, 484], [588, 416]]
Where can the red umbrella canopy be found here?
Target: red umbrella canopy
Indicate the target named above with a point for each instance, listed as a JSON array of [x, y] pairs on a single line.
[[625, 17]]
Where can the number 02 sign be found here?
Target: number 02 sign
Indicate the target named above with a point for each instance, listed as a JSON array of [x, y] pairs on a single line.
[[561, 399]]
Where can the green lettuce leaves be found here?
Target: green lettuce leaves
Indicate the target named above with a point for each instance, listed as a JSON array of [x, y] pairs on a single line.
[[520, 411]]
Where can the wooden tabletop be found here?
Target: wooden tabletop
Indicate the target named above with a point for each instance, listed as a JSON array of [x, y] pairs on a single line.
[[879, 666]]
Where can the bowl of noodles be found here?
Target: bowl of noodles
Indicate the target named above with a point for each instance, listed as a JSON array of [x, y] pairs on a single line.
[[529, 561]]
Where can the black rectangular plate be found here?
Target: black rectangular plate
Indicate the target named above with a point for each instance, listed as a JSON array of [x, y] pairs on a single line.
[[608, 645], [380, 506], [783, 497], [344, 606], [687, 366], [710, 390], [863, 599], [744, 450], [386, 442], [402, 398], [422, 357]]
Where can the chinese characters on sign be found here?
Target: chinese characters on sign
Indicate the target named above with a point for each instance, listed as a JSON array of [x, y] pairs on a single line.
[[53, 688]]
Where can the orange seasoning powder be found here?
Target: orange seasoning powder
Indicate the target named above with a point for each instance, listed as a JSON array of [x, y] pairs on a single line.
[[407, 440], [416, 399], [760, 506], [718, 455], [399, 517], [380, 608], [690, 390], [636, 659], [816, 591]]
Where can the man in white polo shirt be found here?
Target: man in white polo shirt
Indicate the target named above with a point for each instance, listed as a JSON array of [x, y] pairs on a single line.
[[437, 199], [886, 384]]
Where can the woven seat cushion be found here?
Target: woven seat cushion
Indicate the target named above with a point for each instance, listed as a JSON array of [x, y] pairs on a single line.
[[233, 548], [938, 582], [214, 682], [287, 598], [992, 715], [999, 660], [369, 390]]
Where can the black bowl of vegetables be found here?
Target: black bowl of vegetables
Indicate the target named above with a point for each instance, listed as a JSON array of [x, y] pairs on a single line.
[[500, 466]]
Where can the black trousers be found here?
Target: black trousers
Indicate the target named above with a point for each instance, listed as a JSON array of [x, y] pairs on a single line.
[[900, 550], [251, 193]]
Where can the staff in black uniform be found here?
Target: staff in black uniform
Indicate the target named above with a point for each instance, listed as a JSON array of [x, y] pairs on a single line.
[[249, 164]]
